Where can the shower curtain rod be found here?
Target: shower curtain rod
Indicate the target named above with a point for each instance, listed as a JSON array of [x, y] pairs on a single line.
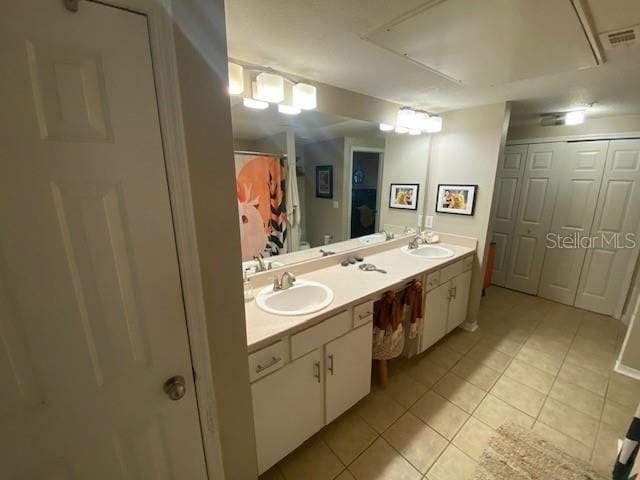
[[246, 152]]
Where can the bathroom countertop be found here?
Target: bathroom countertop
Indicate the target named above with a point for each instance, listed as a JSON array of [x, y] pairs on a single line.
[[350, 286]]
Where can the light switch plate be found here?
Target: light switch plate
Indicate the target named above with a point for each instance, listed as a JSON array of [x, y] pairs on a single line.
[[336, 204], [428, 221]]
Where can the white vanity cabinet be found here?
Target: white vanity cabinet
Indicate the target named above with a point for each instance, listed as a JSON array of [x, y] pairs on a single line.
[[288, 407], [348, 370], [329, 373], [446, 301]]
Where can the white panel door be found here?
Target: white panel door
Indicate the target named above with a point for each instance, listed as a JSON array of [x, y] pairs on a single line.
[[609, 264], [288, 407], [91, 316], [582, 168], [460, 287], [436, 309], [537, 198], [348, 370], [508, 183]]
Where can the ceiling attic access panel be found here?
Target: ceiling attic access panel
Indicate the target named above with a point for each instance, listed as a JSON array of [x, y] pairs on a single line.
[[492, 42]]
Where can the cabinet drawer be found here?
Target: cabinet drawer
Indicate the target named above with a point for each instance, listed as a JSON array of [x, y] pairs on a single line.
[[362, 313], [320, 334], [450, 271], [433, 280], [267, 360], [467, 263]]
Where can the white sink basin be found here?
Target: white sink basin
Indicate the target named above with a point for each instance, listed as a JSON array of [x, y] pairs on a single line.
[[373, 238], [302, 298], [428, 251]]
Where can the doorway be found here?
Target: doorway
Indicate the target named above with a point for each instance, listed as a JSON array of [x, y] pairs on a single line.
[[365, 187]]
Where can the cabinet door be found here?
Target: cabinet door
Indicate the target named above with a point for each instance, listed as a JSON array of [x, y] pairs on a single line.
[[460, 286], [434, 323], [288, 407], [348, 370]]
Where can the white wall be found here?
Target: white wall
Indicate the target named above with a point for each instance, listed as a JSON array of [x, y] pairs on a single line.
[[467, 152], [406, 160], [591, 126], [201, 53], [323, 218]]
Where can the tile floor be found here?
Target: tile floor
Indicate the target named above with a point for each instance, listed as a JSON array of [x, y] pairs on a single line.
[[543, 365]]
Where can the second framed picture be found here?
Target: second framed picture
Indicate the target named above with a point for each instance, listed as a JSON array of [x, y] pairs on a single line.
[[456, 199], [404, 196]]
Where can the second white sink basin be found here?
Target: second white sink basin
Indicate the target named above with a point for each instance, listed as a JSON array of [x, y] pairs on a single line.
[[304, 297], [429, 251], [373, 238]]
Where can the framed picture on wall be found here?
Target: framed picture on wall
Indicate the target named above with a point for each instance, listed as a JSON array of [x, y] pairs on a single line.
[[404, 196], [324, 181], [456, 199]]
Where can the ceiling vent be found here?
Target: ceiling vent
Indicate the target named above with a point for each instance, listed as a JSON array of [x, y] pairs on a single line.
[[624, 37]]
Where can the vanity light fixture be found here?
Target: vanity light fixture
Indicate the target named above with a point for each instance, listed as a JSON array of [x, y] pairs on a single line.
[[304, 96], [434, 124], [255, 104], [288, 109], [574, 118], [401, 130], [421, 121], [385, 127], [413, 131], [236, 79], [406, 118], [268, 87]]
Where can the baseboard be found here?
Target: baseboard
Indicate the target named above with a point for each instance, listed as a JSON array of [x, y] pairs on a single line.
[[628, 371], [469, 326]]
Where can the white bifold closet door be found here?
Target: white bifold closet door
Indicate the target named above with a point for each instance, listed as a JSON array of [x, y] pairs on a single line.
[[537, 199], [582, 167], [509, 181], [607, 268]]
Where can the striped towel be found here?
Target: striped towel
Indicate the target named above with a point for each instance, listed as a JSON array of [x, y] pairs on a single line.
[[624, 467]]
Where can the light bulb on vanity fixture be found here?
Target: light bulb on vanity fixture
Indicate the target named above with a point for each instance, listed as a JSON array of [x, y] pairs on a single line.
[[268, 87], [304, 96], [574, 118], [434, 124], [255, 104], [288, 109], [401, 130], [236, 79], [385, 127]]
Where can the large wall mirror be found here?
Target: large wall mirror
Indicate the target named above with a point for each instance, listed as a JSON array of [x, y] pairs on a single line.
[[310, 185]]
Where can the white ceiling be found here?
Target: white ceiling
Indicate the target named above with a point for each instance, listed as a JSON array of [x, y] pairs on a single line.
[[325, 41], [250, 124]]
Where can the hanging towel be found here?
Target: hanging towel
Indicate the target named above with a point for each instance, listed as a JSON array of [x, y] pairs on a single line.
[[293, 198], [627, 457], [388, 334], [412, 299]]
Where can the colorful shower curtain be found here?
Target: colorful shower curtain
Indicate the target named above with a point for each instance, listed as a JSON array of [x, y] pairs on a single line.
[[260, 187]]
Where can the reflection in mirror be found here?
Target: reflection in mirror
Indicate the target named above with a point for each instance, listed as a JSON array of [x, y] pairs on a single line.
[[326, 201]]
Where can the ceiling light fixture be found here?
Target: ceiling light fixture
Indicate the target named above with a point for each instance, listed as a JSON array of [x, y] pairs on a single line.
[[304, 96], [269, 87], [434, 124], [385, 127], [574, 118], [236, 79], [255, 104], [288, 109]]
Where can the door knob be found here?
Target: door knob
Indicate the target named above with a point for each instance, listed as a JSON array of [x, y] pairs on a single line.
[[175, 387]]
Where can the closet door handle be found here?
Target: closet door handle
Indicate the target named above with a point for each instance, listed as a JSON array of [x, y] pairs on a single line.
[[450, 294], [330, 357], [317, 374]]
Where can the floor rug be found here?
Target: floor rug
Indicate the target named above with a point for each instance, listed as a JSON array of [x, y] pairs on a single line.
[[515, 453]]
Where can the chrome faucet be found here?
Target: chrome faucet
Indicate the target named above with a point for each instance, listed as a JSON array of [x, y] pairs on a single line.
[[287, 281], [387, 236], [417, 240], [260, 264]]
